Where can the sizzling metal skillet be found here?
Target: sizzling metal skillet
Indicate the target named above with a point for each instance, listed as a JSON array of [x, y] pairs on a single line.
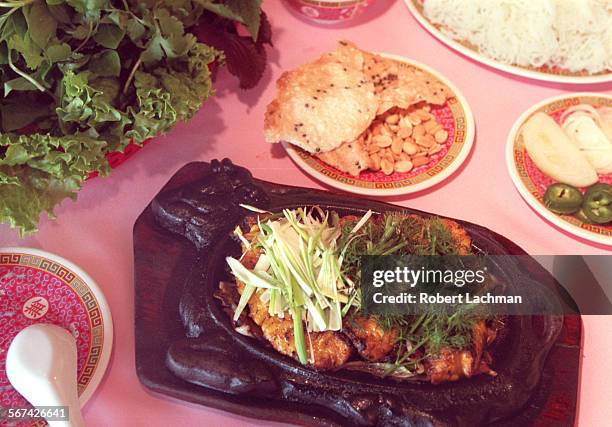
[[238, 374]]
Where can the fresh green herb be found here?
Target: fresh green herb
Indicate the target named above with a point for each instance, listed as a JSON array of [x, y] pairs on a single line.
[[423, 336], [245, 54], [82, 79], [394, 234]]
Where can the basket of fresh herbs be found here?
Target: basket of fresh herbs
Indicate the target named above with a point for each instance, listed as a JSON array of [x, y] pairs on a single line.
[[85, 79]]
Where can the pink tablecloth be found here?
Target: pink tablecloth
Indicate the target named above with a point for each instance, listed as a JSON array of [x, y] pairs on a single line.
[[96, 232]]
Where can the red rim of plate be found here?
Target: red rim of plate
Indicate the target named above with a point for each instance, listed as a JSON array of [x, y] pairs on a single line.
[[443, 165], [519, 164], [89, 295], [556, 76]]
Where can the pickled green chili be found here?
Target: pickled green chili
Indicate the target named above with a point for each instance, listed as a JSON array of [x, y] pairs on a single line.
[[563, 199], [597, 205]]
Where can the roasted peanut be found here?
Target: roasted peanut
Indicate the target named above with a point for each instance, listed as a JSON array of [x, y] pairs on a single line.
[[396, 146], [419, 161], [402, 139], [414, 119], [392, 119], [386, 166], [410, 148], [372, 149], [375, 158], [383, 140], [430, 126], [438, 127], [425, 141], [418, 130], [436, 148], [388, 155], [403, 166], [441, 136], [404, 132], [405, 122], [423, 115]]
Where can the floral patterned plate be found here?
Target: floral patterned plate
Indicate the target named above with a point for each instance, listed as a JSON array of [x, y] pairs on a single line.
[[39, 287], [548, 74], [532, 183], [457, 119]]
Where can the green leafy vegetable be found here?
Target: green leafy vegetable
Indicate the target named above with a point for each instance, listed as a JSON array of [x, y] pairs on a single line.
[[245, 55], [244, 11], [85, 78], [39, 171]]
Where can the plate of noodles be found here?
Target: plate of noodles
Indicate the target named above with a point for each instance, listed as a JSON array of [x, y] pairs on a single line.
[[551, 40]]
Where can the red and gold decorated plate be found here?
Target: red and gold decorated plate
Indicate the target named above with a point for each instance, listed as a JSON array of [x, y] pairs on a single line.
[[532, 183], [39, 287], [548, 74], [456, 118]]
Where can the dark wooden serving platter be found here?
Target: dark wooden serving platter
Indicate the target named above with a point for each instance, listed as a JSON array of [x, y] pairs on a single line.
[[186, 348]]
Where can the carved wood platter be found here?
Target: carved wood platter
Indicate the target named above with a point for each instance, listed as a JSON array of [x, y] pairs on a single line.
[[186, 347]]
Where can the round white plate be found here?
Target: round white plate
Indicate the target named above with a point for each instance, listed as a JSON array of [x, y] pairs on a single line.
[[569, 78], [42, 287], [456, 117], [531, 183]]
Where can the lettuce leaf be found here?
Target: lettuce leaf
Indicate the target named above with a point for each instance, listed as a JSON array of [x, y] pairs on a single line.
[[39, 171], [187, 81], [155, 113], [82, 105]]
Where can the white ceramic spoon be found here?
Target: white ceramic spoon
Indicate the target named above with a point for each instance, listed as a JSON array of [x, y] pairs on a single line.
[[41, 364]]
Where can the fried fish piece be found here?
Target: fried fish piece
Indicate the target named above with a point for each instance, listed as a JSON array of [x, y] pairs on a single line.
[[324, 103], [452, 364], [372, 340], [327, 350], [460, 236]]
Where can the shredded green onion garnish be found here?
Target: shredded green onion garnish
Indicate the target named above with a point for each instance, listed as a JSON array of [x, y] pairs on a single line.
[[253, 208], [301, 272]]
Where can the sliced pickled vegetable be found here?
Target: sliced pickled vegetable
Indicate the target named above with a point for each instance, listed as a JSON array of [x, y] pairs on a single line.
[[598, 203], [555, 154], [581, 216], [584, 127], [563, 199], [601, 186]]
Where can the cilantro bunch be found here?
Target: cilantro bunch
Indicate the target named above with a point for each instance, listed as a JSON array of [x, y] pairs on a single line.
[[84, 78]]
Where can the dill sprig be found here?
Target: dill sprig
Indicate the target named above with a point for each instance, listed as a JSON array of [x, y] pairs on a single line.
[[395, 233], [423, 336]]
